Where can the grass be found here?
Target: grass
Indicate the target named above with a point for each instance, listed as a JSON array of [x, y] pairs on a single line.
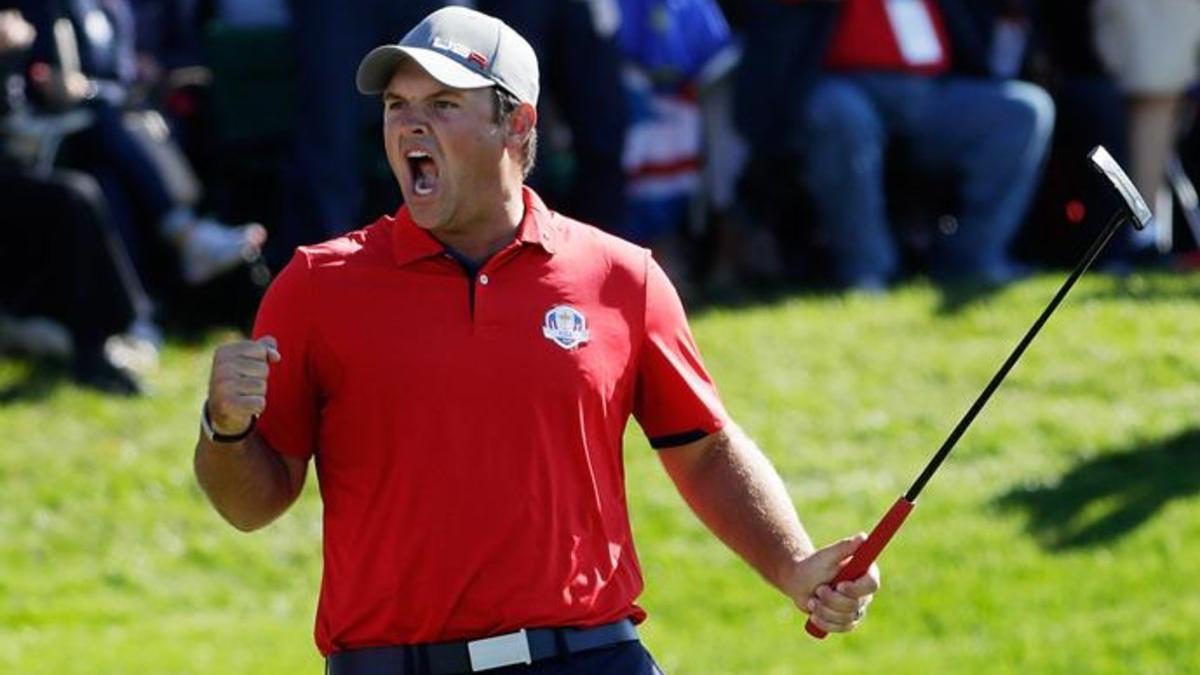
[[1060, 538]]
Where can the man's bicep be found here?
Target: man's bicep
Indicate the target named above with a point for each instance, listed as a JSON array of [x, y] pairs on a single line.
[[675, 401]]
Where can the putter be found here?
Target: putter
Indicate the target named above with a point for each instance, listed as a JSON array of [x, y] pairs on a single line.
[[1132, 207]]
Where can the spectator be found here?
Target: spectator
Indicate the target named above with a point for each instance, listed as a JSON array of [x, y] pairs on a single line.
[[135, 184], [61, 258], [325, 177], [576, 44], [682, 155], [850, 78], [1151, 47], [1061, 58], [61, 261]]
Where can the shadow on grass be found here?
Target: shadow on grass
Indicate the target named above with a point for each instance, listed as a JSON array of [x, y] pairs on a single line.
[[35, 381], [960, 296], [955, 296], [747, 296], [1162, 285], [1107, 497]]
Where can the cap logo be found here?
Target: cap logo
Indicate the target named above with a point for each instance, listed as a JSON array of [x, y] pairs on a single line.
[[478, 58], [459, 49], [565, 326]]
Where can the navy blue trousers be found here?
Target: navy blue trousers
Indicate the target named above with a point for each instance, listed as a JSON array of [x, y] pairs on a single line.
[[628, 658]]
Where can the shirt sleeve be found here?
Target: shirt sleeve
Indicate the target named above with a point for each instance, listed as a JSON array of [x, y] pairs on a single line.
[[289, 421], [675, 401]]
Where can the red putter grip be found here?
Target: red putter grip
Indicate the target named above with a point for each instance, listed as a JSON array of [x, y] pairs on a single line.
[[866, 554]]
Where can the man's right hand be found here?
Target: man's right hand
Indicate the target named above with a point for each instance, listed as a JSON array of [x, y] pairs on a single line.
[[237, 388], [834, 610]]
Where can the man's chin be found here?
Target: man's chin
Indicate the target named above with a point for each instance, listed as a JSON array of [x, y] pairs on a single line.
[[424, 217]]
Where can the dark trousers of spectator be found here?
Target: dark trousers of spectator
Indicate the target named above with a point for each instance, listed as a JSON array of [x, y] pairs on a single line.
[[992, 136], [132, 182], [325, 177], [1093, 113], [629, 658], [58, 259]]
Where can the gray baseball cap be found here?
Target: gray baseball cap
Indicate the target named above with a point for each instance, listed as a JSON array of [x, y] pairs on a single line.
[[460, 48]]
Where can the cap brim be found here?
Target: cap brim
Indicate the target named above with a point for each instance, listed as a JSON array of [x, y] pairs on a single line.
[[376, 69]]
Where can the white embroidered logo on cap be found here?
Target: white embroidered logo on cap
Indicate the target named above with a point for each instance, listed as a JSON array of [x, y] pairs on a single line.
[[565, 326], [454, 47]]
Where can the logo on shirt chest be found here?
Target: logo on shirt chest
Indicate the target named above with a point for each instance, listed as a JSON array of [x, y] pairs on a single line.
[[565, 326]]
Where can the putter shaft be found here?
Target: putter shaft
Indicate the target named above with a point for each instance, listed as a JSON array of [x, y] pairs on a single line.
[[887, 526], [1114, 223]]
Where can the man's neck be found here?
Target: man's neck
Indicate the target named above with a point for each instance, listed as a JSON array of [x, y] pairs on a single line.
[[490, 231]]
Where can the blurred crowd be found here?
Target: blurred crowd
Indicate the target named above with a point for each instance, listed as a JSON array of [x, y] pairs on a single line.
[[159, 159]]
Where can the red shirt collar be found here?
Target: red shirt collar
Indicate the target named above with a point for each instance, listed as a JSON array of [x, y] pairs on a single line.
[[411, 242]]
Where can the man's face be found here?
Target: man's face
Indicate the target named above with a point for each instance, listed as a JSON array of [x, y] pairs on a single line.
[[443, 146]]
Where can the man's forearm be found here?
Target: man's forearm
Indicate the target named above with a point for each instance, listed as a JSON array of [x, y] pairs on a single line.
[[737, 493], [247, 482]]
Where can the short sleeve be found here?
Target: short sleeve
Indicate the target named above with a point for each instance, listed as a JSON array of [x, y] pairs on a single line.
[[675, 401], [289, 422]]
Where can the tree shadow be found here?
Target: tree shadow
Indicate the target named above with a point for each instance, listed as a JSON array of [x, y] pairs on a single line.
[[1108, 497]]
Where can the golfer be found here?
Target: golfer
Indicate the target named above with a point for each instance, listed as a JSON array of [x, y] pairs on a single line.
[[463, 372]]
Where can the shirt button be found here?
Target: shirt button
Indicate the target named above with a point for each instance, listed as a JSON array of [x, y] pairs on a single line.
[[483, 279]]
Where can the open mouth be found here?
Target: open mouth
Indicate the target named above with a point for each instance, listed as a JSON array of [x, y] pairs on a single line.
[[424, 172]]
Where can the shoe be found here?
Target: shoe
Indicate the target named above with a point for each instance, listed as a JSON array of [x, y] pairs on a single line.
[[210, 249], [131, 352]]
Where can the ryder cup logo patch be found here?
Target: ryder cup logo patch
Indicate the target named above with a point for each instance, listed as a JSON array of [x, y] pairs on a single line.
[[565, 326]]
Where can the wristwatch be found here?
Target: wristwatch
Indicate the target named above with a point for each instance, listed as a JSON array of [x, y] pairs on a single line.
[[213, 435]]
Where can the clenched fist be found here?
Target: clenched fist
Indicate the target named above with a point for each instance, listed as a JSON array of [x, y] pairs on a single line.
[[237, 388]]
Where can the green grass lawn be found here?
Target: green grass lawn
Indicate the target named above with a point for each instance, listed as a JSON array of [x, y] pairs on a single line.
[[1062, 537]]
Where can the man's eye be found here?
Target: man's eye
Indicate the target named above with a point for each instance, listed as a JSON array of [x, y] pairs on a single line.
[[444, 105]]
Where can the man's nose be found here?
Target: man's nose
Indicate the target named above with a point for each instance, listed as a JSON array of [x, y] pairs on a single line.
[[412, 123]]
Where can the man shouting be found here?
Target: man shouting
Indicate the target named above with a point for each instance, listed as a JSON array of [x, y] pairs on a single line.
[[463, 372]]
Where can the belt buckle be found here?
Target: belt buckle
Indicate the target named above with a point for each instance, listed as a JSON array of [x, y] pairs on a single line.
[[509, 649]]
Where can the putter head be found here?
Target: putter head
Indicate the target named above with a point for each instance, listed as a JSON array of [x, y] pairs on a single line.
[[1108, 166]]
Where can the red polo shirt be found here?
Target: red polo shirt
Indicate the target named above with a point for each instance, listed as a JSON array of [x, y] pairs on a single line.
[[468, 432], [865, 39]]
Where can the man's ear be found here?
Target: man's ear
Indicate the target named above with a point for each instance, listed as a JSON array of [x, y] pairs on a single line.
[[522, 123]]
